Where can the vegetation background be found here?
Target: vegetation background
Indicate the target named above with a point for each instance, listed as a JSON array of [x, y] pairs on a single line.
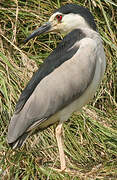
[[90, 136]]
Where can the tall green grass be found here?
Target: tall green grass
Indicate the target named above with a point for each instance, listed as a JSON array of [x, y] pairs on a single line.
[[90, 136]]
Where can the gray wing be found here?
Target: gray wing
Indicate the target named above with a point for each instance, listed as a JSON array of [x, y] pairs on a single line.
[[58, 89], [62, 53]]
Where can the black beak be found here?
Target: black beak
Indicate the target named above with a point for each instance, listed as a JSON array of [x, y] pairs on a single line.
[[43, 29]]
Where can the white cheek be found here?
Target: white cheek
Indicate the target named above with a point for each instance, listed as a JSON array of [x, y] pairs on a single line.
[[72, 21]]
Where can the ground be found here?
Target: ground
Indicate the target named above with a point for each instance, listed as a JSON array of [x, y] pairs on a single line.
[[90, 136]]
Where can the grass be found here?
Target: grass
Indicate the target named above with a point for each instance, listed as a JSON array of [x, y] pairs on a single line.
[[90, 136]]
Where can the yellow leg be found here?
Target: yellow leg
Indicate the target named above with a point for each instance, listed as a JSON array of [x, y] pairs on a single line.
[[60, 146]]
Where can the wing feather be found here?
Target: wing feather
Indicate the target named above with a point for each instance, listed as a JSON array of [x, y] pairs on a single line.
[[56, 90], [56, 58]]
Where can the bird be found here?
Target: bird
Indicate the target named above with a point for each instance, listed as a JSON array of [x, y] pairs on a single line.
[[65, 82]]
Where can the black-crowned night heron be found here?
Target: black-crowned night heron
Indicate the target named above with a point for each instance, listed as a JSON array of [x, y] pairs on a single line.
[[67, 79]]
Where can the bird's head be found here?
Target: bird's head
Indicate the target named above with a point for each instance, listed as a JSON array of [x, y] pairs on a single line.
[[65, 19]]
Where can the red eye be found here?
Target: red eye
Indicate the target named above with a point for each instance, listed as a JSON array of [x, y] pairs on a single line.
[[59, 17]]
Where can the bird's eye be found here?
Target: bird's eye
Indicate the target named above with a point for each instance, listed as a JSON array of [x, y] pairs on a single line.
[[59, 17]]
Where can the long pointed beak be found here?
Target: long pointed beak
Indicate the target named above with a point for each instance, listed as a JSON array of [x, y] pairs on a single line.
[[43, 29]]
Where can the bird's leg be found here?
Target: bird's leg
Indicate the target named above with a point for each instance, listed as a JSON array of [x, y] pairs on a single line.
[[60, 146]]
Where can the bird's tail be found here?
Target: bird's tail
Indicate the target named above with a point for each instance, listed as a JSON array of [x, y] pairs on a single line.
[[20, 141]]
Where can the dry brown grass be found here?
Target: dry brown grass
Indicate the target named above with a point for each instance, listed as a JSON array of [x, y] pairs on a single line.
[[90, 137]]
